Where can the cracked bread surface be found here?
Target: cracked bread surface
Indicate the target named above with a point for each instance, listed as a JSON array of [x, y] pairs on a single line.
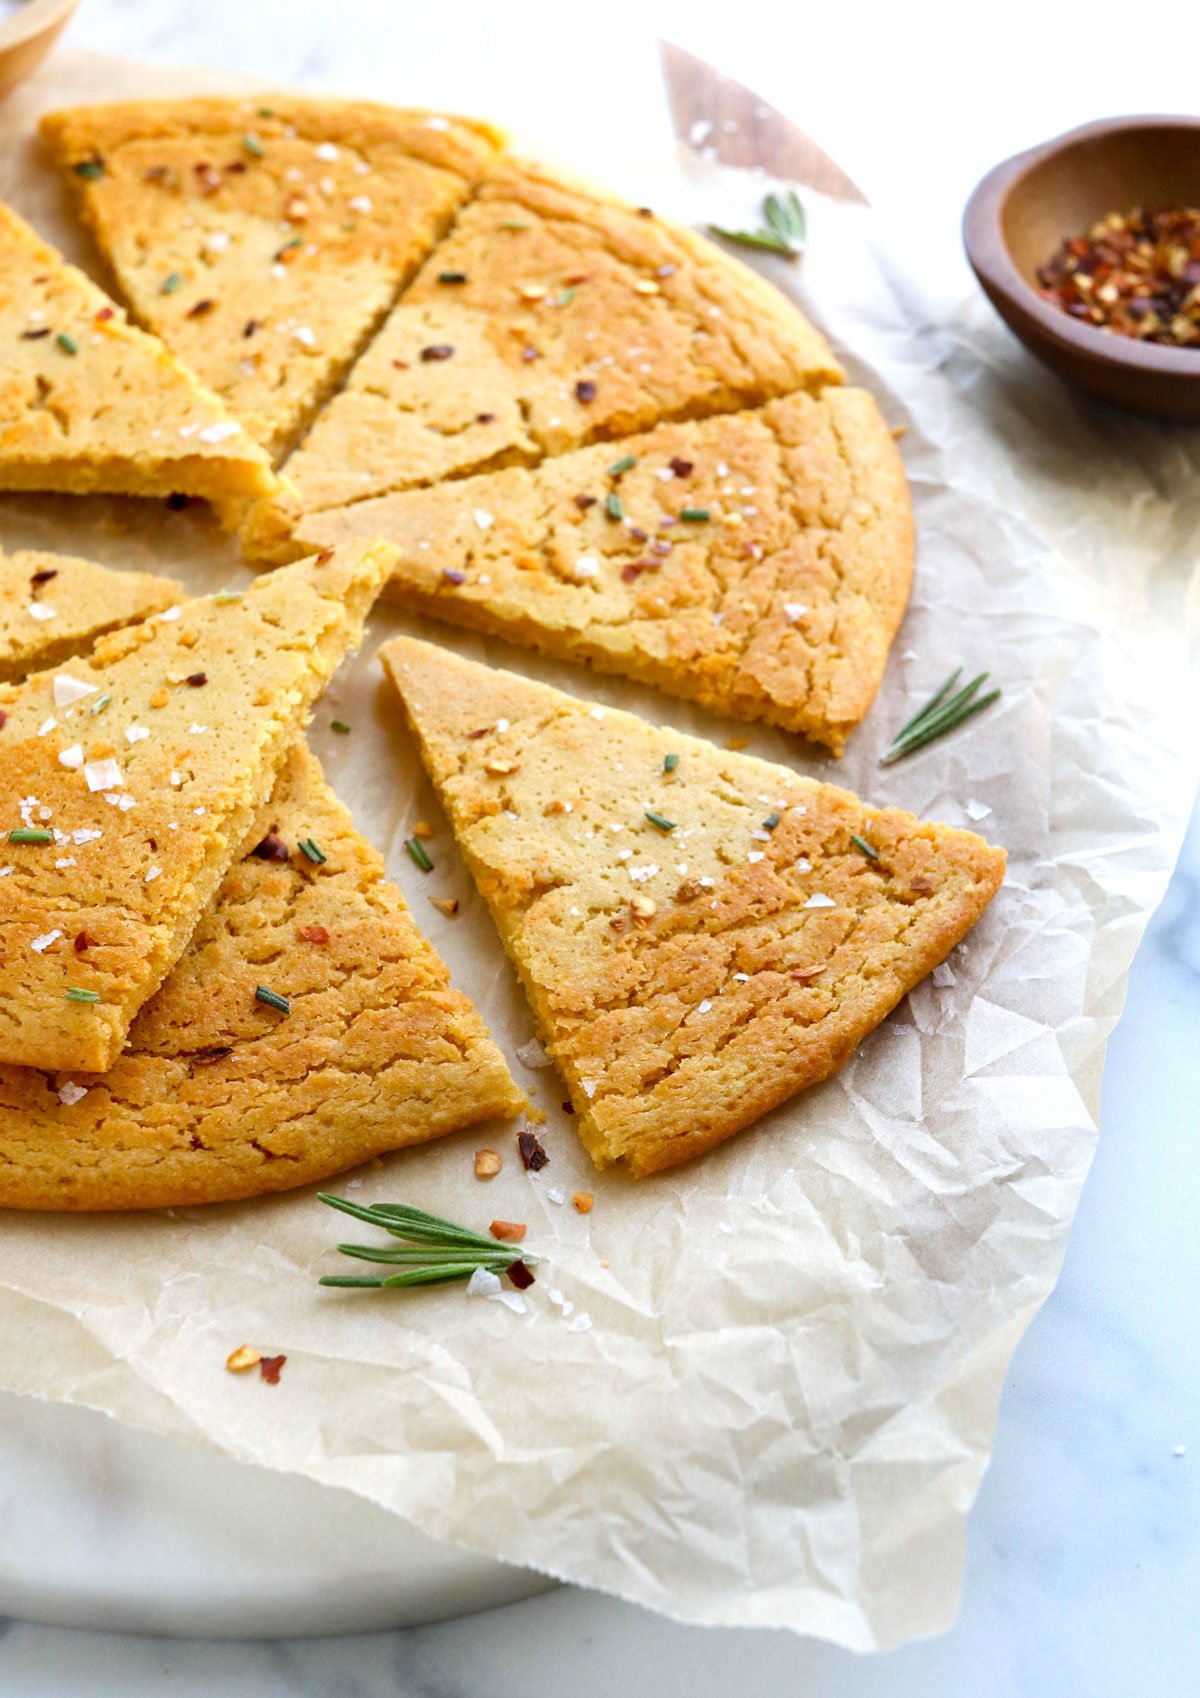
[[778, 600], [89, 403], [691, 971], [264, 238], [55, 605], [147, 785], [217, 1096], [551, 316]]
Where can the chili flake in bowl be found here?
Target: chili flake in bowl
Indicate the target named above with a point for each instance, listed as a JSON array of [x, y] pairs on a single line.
[[1115, 309], [1135, 273]]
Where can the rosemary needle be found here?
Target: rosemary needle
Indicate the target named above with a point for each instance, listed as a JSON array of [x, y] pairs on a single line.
[[942, 713], [435, 1251], [784, 231]]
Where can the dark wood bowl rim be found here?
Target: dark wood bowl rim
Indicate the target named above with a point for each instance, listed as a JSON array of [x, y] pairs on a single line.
[[988, 252]]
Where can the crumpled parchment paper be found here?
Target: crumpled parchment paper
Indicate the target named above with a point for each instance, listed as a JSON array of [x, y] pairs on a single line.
[[781, 1409]]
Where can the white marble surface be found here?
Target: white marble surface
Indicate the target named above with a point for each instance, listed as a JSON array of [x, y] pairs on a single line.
[[1084, 1549]]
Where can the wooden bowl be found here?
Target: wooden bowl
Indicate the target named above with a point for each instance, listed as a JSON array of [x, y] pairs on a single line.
[[1022, 210], [27, 35]]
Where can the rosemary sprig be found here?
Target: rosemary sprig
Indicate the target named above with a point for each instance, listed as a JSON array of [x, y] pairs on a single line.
[[943, 712], [784, 232], [444, 1251]]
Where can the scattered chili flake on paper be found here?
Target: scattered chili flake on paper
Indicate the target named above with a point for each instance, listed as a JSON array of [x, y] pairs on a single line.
[[533, 1156]]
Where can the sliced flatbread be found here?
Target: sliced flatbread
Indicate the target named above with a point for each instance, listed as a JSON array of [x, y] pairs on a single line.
[[697, 943], [55, 605], [90, 404], [220, 1097], [264, 238], [552, 316], [758, 562], [146, 763]]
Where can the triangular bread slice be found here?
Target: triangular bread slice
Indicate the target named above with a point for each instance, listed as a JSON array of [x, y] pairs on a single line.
[[55, 605], [220, 1097], [89, 403], [700, 934], [552, 316], [264, 238], [758, 562], [129, 782]]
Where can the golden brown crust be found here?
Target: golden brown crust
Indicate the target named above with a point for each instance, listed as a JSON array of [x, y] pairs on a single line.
[[265, 237], [686, 980], [219, 1097], [781, 606], [89, 403], [76, 602], [558, 286], [201, 711]]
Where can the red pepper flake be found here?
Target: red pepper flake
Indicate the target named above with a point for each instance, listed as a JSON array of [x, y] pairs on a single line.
[[3, 719], [1134, 274], [201, 309], [508, 1231], [567, 1108], [206, 1057], [196, 679], [635, 568], [484, 418], [583, 502], [585, 390], [437, 351], [103, 316], [533, 1156], [681, 468], [473, 736], [325, 556], [313, 934], [521, 1276], [272, 848], [44, 576], [270, 1367], [82, 942]]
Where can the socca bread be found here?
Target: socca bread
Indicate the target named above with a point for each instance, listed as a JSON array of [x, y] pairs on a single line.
[[264, 238], [219, 1096], [700, 934], [758, 562], [551, 316], [129, 780], [55, 605], [89, 403]]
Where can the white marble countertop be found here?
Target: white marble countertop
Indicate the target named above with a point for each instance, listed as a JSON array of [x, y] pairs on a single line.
[[1083, 1562]]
